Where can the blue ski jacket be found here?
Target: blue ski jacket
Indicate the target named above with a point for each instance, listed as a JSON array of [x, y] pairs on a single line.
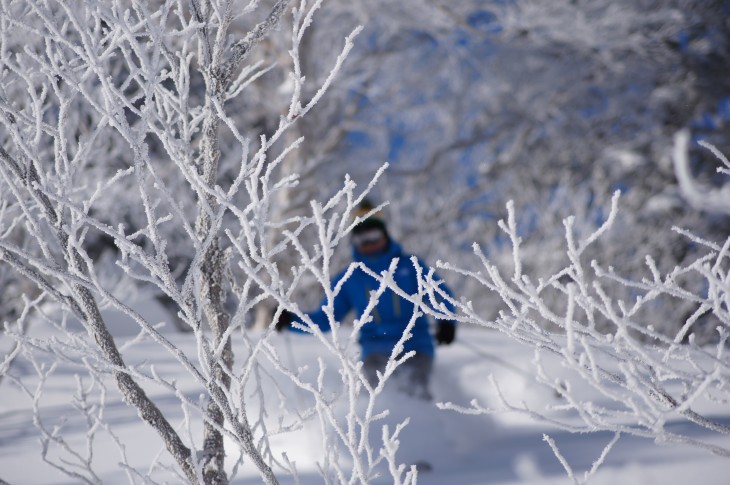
[[391, 314]]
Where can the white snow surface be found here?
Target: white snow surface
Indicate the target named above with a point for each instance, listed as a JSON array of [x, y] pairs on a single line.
[[463, 449]]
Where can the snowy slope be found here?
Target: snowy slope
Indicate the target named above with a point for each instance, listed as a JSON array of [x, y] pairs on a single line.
[[463, 449]]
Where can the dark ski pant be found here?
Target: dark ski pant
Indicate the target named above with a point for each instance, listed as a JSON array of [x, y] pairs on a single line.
[[411, 377]]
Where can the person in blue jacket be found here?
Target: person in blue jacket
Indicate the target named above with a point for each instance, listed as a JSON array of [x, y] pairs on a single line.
[[373, 247]]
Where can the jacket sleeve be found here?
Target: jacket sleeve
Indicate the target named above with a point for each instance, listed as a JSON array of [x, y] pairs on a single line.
[[341, 305]]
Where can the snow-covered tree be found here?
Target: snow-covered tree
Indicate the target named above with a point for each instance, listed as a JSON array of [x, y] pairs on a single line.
[[609, 332], [553, 105], [133, 157], [592, 106]]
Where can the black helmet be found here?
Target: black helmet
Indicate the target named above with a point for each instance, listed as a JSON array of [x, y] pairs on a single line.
[[373, 222]]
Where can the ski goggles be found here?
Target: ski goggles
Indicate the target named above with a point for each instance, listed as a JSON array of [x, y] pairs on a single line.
[[368, 237]]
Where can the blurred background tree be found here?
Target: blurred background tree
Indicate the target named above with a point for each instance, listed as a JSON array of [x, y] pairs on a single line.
[[472, 103], [553, 105]]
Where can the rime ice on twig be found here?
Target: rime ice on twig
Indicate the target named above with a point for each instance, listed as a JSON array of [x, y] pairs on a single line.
[[645, 377]]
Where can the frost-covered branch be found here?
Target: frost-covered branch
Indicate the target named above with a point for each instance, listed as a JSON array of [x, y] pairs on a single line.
[[603, 328], [713, 200]]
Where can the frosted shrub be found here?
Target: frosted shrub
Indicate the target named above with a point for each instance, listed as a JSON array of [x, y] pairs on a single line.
[[127, 164], [644, 376]]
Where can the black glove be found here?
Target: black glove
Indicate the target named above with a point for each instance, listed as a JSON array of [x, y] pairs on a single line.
[[284, 321], [445, 332]]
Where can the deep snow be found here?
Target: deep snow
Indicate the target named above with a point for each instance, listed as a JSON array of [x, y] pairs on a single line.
[[463, 449]]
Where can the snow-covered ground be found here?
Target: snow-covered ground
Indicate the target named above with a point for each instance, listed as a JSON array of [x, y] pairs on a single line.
[[463, 449]]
